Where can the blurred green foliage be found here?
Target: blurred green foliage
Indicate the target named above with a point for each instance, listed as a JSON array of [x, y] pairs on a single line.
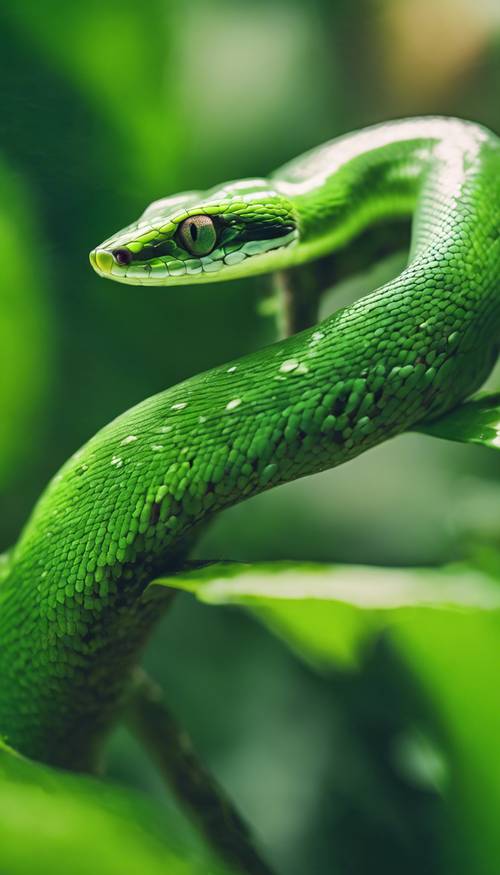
[[444, 624], [53, 821], [107, 106], [25, 347]]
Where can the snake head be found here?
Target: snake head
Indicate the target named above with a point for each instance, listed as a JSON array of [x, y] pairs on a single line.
[[238, 229]]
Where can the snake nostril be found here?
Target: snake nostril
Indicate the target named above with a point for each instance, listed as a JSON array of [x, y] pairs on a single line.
[[122, 256]]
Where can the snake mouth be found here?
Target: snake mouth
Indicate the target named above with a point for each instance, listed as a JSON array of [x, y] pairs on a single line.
[[122, 265]]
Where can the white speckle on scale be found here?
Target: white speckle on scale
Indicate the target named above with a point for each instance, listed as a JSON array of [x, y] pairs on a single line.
[[231, 405], [179, 406], [317, 336], [157, 447], [202, 419], [293, 366], [164, 429], [232, 369], [289, 365], [117, 461], [129, 440]]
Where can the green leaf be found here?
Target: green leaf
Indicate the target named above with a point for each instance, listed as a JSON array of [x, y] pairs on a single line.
[[445, 625], [327, 612], [455, 659], [475, 422], [54, 822]]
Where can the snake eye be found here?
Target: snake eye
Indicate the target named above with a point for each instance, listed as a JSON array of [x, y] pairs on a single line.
[[198, 234], [122, 256]]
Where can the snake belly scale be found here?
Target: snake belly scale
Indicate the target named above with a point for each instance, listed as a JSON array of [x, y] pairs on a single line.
[[73, 617]]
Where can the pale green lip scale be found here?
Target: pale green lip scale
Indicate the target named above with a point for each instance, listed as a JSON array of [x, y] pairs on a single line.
[[128, 505]]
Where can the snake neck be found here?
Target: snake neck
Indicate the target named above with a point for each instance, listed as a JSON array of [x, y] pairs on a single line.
[[124, 507], [359, 180]]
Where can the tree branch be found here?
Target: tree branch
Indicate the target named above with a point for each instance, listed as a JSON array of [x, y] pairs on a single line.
[[196, 789]]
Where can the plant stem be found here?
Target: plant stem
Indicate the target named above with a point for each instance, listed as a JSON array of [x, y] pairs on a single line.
[[299, 294], [196, 789]]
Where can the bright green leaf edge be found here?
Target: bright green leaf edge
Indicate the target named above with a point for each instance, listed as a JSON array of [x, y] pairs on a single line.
[[475, 422], [327, 613]]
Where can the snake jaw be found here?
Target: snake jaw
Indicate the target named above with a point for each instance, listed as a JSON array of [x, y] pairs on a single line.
[[255, 225]]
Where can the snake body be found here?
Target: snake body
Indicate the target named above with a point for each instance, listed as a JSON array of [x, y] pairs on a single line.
[[73, 614]]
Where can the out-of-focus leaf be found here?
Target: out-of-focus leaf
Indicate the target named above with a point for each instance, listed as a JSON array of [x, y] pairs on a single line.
[[327, 612], [24, 342], [456, 660], [475, 422], [52, 822], [116, 56], [445, 624]]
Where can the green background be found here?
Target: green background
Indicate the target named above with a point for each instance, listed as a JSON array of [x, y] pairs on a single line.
[[106, 106]]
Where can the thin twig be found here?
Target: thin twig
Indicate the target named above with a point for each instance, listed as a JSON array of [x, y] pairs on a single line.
[[196, 789], [298, 300]]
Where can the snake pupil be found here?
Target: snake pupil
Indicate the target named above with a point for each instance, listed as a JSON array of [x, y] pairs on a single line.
[[122, 256]]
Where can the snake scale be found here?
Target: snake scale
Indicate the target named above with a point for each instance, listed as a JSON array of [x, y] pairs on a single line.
[[73, 610]]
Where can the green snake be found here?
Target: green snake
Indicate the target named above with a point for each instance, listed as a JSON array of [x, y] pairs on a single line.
[[75, 610]]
